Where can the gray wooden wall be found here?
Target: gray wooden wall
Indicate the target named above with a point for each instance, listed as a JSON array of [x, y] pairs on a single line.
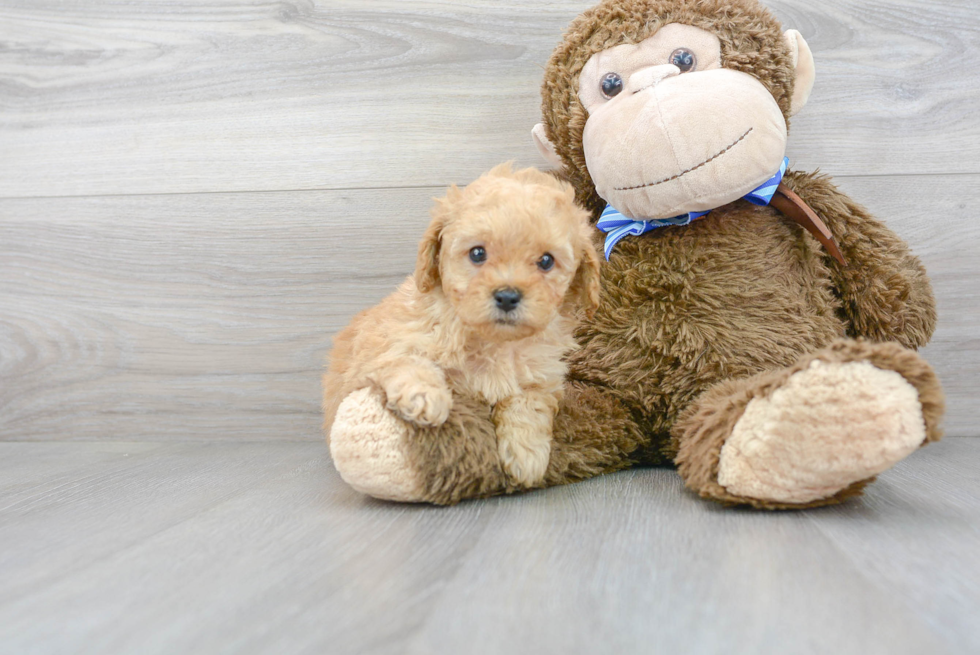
[[195, 195]]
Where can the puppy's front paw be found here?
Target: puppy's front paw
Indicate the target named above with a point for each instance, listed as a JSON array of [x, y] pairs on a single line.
[[423, 404], [524, 457]]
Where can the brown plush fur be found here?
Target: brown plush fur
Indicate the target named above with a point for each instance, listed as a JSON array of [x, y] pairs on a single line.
[[740, 293], [458, 459], [694, 321], [442, 332], [884, 292]]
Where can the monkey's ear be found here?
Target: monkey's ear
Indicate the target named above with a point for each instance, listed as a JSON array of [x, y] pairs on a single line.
[[545, 147], [805, 70], [427, 265]]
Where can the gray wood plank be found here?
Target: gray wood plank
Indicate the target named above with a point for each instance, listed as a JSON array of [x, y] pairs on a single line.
[[293, 551], [648, 568], [261, 548], [135, 317], [122, 495], [208, 316], [926, 538], [27, 464], [103, 98]]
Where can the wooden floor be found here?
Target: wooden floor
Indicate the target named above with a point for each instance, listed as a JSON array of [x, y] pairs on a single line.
[[195, 195], [260, 547]]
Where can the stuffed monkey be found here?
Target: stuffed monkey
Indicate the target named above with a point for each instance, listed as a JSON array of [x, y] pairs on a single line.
[[757, 328]]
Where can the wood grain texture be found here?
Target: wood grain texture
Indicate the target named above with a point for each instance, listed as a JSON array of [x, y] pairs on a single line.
[[209, 316], [248, 548], [926, 520], [105, 98], [167, 316]]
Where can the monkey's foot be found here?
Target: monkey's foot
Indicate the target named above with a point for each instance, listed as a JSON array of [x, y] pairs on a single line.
[[812, 434], [826, 428], [369, 447]]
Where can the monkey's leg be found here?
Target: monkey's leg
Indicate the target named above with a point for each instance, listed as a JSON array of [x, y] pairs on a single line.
[[383, 456], [812, 434], [595, 432]]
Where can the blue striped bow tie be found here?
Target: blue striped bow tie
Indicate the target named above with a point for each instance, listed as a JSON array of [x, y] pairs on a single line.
[[618, 226]]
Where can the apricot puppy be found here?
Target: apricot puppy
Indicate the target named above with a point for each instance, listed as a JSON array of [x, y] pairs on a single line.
[[505, 271]]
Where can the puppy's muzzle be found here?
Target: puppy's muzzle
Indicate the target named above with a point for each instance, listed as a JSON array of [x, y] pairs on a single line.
[[507, 299]]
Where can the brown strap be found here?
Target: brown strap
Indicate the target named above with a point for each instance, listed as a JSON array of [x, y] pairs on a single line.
[[793, 207]]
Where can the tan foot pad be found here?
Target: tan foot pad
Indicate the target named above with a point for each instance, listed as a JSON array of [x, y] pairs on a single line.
[[368, 447], [826, 428]]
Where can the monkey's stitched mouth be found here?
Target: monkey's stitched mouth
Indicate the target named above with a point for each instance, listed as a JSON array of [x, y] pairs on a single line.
[[683, 173]]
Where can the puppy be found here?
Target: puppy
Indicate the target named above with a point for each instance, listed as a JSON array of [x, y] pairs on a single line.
[[504, 272]]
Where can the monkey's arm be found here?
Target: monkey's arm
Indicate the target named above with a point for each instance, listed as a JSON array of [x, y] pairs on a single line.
[[884, 290]]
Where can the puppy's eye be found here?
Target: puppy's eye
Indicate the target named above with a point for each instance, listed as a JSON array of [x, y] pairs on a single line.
[[683, 59], [611, 84], [547, 262], [478, 255]]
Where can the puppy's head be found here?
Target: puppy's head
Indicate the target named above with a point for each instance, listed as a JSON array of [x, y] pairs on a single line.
[[510, 251]]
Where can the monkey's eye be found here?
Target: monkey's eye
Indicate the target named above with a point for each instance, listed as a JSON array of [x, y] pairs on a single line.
[[683, 59], [478, 255], [611, 85], [547, 262]]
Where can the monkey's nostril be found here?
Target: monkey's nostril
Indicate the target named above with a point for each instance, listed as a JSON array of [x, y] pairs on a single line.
[[507, 299]]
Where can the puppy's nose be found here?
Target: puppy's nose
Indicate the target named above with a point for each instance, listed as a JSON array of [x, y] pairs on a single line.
[[507, 299]]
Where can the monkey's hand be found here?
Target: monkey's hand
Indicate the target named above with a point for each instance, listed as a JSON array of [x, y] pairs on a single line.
[[884, 290]]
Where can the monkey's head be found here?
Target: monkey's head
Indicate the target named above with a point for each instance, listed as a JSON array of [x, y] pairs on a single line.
[[661, 107]]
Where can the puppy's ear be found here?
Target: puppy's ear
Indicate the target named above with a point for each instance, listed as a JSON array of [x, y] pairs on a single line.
[[584, 288], [427, 265]]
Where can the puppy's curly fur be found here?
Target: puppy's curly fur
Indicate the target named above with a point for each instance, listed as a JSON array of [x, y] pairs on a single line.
[[455, 326]]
